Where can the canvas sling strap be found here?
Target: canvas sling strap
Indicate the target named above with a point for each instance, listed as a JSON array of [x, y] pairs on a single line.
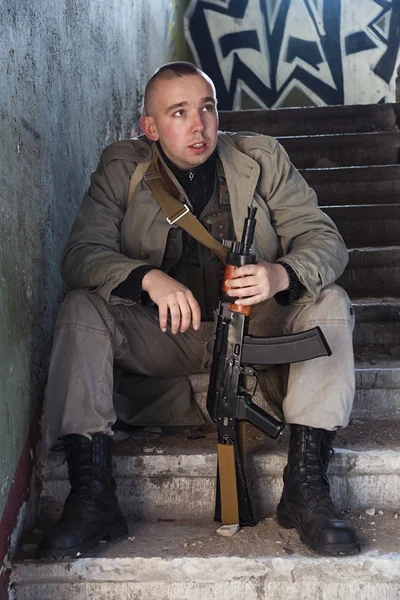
[[165, 192]]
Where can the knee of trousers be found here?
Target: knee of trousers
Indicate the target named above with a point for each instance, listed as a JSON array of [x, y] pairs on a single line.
[[82, 307], [333, 305]]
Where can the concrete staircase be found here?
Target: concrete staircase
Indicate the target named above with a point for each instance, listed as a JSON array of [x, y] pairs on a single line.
[[350, 156]]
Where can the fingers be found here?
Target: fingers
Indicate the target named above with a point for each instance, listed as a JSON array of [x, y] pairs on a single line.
[[163, 316], [188, 312], [244, 292], [250, 284], [245, 271], [247, 296], [196, 313], [251, 300], [174, 300], [175, 314], [183, 309], [185, 315], [243, 282]]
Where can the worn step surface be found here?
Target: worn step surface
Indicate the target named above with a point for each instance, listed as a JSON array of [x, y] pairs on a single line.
[[377, 383], [372, 272], [374, 184], [186, 560], [367, 224], [377, 321], [312, 121], [347, 149], [170, 476]]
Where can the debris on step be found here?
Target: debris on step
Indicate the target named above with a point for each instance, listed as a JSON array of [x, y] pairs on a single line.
[[120, 436], [228, 530], [145, 436]]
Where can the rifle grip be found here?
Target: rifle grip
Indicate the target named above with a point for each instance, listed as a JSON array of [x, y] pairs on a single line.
[[253, 414], [244, 310]]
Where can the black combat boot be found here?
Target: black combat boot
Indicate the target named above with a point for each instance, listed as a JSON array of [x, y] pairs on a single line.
[[306, 504], [91, 512]]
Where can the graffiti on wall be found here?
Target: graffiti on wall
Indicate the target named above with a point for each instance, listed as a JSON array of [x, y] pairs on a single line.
[[269, 52], [172, 15]]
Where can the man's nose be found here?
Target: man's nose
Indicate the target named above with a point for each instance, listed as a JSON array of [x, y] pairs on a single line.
[[197, 122]]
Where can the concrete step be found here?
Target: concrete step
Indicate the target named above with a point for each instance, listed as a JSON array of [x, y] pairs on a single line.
[[187, 561], [377, 383], [375, 184], [343, 150], [377, 322], [180, 482], [314, 121], [372, 272], [367, 224]]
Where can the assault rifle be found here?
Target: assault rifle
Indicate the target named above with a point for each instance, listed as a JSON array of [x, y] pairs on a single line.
[[229, 404]]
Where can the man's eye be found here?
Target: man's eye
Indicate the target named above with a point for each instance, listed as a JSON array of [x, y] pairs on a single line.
[[208, 107], [179, 113]]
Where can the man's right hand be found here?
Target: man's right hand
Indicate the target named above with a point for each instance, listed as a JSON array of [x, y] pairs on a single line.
[[173, 297]]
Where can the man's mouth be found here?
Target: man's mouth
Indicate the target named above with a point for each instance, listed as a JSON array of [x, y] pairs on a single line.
[[197, 145]]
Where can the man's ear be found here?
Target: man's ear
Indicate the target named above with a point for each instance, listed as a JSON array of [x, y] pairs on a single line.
[[149, 128]]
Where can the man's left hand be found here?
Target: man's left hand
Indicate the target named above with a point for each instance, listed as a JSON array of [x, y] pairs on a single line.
[[252, 284]]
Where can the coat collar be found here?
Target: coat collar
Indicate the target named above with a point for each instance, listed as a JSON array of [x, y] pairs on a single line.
[[241, 174]]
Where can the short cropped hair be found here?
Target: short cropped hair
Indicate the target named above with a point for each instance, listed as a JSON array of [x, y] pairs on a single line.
[[170, 70]]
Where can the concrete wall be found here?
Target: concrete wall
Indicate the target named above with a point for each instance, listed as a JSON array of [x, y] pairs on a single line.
[[72, 74], [272, 53]]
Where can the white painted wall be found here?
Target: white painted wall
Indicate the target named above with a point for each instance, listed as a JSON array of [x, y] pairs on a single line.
[[339, 77]]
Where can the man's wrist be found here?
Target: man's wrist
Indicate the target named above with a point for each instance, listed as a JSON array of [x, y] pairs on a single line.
[[147, 278], [284, 278], [295, 289], [132, 287]]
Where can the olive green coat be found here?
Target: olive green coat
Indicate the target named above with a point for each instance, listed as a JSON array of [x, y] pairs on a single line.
[[109, 239]]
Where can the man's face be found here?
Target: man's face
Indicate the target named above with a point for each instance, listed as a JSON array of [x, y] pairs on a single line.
[[184, 119]]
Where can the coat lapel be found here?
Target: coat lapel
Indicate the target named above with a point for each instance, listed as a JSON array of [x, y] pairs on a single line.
[[241, 174]]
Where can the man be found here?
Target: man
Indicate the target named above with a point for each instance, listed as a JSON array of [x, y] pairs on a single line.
[[143, 293]]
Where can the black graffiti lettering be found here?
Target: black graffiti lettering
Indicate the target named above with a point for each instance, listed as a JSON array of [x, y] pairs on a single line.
[[386, 65], [306, 50], [384, 3], [326, 21], [240, 39], [358, 42]]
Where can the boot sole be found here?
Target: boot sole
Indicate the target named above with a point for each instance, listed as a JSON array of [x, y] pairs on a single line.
[[109, 533], [333, 550]]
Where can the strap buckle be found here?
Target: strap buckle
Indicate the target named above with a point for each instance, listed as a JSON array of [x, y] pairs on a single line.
[[178, 215]]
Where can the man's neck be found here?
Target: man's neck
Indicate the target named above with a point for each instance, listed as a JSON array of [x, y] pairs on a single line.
[[198, 182], [207, 166]]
